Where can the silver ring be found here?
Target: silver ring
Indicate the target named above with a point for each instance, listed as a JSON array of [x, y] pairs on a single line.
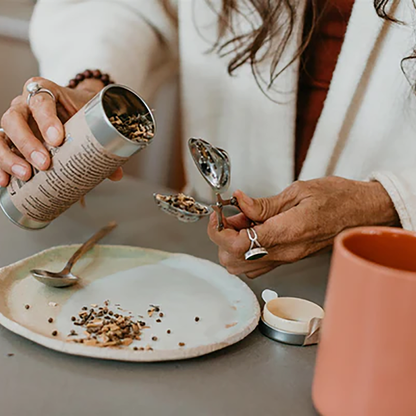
[[34, 88], [256, 251]]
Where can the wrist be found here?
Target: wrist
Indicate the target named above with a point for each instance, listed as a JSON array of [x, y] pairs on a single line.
[[380, 208], [90, 85]]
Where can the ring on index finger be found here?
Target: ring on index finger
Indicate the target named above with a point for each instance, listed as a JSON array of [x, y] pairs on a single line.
[[35, 88]]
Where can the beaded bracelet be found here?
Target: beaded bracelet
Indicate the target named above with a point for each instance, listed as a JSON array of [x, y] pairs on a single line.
[[89, 74]]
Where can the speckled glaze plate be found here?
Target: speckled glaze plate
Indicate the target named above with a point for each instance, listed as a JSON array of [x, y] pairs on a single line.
[[183, 286]]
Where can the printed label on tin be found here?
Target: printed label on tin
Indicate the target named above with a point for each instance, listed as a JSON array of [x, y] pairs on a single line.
[[78, 166]]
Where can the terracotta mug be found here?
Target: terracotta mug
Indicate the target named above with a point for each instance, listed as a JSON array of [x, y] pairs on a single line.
[[366, 363]]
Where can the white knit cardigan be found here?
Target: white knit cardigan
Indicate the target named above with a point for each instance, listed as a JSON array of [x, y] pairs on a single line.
[[367, 128]]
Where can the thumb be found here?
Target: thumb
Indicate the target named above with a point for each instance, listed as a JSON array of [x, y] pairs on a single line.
[[259, 209]]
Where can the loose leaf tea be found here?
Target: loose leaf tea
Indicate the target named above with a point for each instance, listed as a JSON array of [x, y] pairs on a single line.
[[138, 128], [184, 202], [152, 310], [104, 329], [100, 327]]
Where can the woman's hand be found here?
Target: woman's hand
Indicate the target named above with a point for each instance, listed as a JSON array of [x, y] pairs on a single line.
[[301, 221], [27, 126]]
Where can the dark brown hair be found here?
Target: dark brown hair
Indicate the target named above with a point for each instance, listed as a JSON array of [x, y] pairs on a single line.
[[273, 24], [267, 41]]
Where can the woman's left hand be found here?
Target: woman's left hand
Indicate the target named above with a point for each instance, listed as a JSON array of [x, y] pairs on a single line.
[[299, 222]]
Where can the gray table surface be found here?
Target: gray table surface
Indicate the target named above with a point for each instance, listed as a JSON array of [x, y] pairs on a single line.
[[255, 376]]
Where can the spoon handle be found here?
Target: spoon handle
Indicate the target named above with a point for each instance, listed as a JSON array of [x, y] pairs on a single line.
[[219, 206], [89, 244]]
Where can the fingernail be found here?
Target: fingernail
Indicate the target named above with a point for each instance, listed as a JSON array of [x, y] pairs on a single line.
[[19, 171], [53, 135], [38, 158]]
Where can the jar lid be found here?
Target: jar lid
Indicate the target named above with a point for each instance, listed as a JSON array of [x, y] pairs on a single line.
[[281, 336], [289, 320]]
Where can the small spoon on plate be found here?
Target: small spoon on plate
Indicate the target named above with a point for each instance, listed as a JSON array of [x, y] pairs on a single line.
[[65, 278]]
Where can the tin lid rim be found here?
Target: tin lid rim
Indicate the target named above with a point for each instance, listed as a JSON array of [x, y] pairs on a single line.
[[284, 337], [282, 331]]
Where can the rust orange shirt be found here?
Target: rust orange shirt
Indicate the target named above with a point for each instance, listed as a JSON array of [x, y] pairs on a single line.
[[318, 62]]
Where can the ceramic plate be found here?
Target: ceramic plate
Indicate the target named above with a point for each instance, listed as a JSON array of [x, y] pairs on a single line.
[[184, 288]]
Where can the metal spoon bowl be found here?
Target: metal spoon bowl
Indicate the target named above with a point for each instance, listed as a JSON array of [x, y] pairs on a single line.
[[65, 278], [179, 213], [212, 162]]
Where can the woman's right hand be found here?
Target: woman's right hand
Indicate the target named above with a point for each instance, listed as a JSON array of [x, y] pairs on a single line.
[[27, 126]]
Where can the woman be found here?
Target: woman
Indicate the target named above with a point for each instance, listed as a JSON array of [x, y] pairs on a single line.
[[304, 98]]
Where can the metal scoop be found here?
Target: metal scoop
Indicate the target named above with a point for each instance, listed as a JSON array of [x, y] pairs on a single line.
[[214, 165], [212, 162], [171, 205], [65, 278]]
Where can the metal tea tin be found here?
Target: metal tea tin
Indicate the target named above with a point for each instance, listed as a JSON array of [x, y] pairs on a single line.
[[92, 150]]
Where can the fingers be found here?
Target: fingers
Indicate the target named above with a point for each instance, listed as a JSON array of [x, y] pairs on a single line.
[[238, 222], [43, 109], [260, 272], [251, 269], [279, 235], [233, 241], [15, 123], [286, 228], [117, 175], [238, 266], [11, 164], [4, 178], [258, 210], [287, 254], [262, 209]]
